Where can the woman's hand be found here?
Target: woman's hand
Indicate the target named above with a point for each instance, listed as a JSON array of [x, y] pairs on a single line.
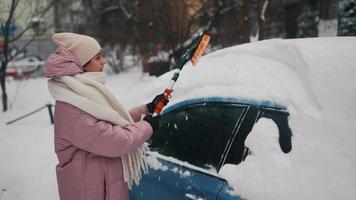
[[153, 121], [153, 104]]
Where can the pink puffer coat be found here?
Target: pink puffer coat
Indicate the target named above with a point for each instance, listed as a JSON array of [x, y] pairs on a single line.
[[88, 149]]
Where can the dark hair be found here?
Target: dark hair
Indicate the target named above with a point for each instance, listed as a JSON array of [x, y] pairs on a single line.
[[86, 64]]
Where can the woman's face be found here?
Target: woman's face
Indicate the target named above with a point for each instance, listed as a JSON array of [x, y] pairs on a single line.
[[96, 64]]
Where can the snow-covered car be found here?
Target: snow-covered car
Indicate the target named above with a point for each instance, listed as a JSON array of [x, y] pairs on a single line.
[[196, 138], [300, 86]]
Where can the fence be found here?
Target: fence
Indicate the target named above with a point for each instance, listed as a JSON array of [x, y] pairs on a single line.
[[50, 112]]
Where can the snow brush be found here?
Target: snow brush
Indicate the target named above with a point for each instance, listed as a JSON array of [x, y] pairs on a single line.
[[193, 53]]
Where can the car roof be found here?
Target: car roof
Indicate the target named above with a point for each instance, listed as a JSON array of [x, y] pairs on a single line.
[[226, 100]]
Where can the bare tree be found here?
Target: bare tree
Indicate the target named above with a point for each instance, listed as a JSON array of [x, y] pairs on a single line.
[[5, 54], [146, 23], [176, 22], [116, 23], [9, 38]]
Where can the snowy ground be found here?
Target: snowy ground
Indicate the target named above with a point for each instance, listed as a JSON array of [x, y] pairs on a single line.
[[314, 78]]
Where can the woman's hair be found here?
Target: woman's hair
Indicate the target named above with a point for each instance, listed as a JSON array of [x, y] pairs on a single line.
[[86, 64]]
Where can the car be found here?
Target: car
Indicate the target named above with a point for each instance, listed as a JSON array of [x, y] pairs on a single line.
[[24, 67], [196, 138], [311, 80]]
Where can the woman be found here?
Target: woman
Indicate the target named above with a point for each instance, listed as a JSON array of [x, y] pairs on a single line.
[[97, 141]]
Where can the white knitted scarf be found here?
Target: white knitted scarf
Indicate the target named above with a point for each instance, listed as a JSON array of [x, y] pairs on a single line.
[[87, 92]]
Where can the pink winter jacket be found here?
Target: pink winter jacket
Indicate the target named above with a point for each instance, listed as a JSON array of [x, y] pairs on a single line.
[[89, 149]]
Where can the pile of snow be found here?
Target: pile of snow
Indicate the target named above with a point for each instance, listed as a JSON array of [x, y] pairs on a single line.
[[314, 78]]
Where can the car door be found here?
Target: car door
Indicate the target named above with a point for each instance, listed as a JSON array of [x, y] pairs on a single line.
[[192, 140], [163, 181], [237, 154]]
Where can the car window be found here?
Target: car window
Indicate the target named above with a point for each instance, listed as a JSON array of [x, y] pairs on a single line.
[[197, 134]]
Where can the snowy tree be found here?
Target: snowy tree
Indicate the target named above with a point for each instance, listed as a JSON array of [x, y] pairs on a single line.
[[308, 22], [347, 18]]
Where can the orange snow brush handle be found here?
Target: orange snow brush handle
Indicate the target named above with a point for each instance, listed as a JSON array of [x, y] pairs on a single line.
[[201, 48], [193, 54], [161, 102]]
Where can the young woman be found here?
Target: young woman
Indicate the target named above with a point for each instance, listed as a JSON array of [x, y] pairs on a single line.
[[97, 141]]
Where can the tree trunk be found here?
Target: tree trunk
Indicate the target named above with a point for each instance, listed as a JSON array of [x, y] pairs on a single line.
[[329, 9], [260, 20], [328, 17], [4, 95], [57, 27], [5, 60], [246, 21], [3, 71], [145, 53], [144, 62], [292, 11]]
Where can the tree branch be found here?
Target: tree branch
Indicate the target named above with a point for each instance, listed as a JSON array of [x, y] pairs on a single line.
[[28, 42], [29, 26]]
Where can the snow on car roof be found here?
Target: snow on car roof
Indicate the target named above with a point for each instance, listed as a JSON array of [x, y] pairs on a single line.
[[294, 73]]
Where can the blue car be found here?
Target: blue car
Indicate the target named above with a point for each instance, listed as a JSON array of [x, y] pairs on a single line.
[[196, 138]]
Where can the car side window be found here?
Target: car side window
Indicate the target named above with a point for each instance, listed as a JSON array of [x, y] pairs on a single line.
[[197, 134]]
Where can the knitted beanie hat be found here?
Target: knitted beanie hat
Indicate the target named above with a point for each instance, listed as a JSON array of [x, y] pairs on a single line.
[[83, 47]]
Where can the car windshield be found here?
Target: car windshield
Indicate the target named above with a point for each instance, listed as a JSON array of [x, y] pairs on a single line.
[[198, 133]]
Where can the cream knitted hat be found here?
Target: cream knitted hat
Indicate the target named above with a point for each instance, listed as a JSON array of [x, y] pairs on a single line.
[[82, 46]]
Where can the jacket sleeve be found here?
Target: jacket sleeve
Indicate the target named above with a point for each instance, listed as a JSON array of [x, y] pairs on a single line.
[[137, 112], [105, 139]]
